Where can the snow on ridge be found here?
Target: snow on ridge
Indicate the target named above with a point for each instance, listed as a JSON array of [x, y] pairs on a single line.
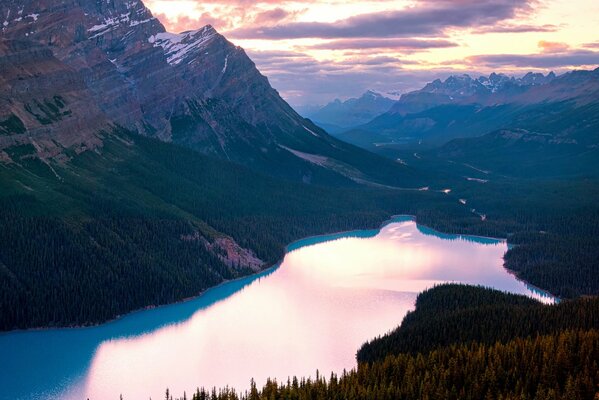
[[311, 131], [225, 66], [176, 46], [395, 95], [112, 22]]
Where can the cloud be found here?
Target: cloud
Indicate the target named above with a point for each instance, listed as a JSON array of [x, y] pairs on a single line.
[[387, 48], [275, 16], [515, 28], [184, 23], [378, 43], [553, 47], [301, 79], [427, 18], [571, 58]]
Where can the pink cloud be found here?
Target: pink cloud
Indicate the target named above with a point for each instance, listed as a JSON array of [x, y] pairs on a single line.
[[378, 43], [553, 47], [275, 16], [184, 23]]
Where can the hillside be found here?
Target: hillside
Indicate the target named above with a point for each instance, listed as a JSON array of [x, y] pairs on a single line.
[[138, 222]]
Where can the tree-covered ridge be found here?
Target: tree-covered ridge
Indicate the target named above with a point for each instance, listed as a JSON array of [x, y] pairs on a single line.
[[109, 231], [100, 235], [455, 314], [549, 367], [555, 355]]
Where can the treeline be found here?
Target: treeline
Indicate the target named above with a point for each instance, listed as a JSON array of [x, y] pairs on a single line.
[[549, 367], [553, 224], [458, 314], [55, 272], [564, 261]]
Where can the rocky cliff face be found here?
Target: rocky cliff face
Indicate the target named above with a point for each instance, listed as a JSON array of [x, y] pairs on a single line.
[[44, 104], [120, 67]]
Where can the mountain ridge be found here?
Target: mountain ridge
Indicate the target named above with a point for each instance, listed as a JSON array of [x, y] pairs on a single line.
[[338, 115], [193, 88], [462, 107]]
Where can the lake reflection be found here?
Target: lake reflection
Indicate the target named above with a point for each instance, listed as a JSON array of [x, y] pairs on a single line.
[[328, 296]]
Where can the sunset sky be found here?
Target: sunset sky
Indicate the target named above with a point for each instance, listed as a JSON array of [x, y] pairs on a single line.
[[315, 51]]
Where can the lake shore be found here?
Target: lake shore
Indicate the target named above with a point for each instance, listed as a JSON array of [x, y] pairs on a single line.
[[292, 246]]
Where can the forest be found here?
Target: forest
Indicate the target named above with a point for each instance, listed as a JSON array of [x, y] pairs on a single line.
[[460, 314], [106, 238], [555, 357]]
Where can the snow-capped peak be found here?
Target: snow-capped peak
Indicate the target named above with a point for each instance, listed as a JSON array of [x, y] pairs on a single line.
[[177, 45], [388, 95]]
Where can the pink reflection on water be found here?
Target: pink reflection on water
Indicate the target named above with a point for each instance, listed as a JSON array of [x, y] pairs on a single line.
[[313, 312]]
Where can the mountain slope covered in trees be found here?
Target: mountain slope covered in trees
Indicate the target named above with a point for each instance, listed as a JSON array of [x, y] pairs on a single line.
[[460, 314], [139, 222]]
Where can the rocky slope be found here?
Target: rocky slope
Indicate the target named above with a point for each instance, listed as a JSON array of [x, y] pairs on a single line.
[[194, 88], [44, 103]]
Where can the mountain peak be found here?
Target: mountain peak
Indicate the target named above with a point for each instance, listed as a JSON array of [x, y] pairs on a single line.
[[179, 46]]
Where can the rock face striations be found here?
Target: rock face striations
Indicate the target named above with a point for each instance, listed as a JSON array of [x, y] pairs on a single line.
[[73, 69], [44, 103]]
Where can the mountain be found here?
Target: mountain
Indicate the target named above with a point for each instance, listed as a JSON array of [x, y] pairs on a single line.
[[463, 89], [139, 167], [113, 64], [563, 107], [139, 222], [339, 115], [45, 104]]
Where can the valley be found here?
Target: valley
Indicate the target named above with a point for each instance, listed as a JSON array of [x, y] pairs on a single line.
[[169, 220]]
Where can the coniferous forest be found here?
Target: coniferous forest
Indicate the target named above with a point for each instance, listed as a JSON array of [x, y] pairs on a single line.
[[107, 232]]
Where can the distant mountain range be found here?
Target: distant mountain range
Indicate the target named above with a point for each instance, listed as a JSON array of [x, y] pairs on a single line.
[[73, 71], [338, 116], [523, 122], [463, 89]]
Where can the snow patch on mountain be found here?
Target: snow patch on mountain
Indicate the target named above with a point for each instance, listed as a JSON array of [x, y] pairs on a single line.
[[312, 158], [178, 45], [311, 131]]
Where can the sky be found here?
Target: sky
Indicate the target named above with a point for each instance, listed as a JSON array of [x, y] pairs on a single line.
[[314, 51]]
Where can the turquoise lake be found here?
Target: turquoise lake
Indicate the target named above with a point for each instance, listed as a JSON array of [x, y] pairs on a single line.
[[313, 311]]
